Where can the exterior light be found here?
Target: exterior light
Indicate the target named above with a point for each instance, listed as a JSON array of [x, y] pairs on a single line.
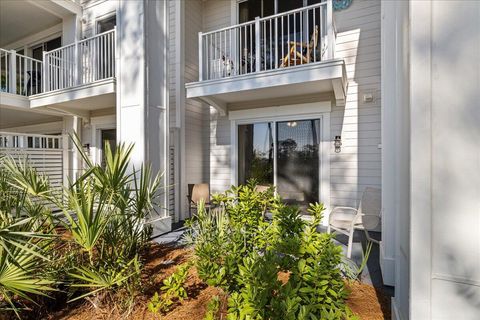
[[292, 124], [86, 148], [338, 144]]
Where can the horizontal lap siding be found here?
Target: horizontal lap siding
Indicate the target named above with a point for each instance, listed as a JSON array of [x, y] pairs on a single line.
[[217, 14], [196, 114], [220, 152], [172, 61], [359, 163]]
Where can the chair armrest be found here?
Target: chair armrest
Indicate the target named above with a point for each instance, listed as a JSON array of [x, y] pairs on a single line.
[[379, 217], [337, 209]]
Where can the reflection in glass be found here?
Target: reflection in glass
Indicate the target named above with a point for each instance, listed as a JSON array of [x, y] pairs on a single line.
[[255, 153], [298, 161]]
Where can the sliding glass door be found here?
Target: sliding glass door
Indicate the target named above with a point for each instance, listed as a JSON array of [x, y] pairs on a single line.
[[255, 153], [282, 153]]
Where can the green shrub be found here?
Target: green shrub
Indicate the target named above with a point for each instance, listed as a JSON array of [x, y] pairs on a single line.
[[91, 247], [173, 290], [213, 309], [237, 248]]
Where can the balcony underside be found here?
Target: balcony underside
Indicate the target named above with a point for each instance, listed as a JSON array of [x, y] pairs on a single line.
[[77, 100], [314, 78]]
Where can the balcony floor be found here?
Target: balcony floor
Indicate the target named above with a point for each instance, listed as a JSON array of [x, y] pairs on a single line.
[[313, 78]]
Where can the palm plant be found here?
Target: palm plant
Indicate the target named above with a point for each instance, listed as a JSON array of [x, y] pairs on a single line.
[[24, 235], [104, 217]]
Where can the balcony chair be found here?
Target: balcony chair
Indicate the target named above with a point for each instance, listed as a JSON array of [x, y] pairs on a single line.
[[197, 193], [300, 52], [346, 220]]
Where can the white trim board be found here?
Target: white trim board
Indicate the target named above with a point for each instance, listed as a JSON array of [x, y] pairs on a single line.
[[315, 110], [279, 111]]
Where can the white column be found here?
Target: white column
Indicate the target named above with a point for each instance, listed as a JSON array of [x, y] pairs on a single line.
[[72, 162], [142, 96], [389, 158]]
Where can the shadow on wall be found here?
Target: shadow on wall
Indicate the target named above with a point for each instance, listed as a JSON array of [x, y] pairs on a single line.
[[358, 165], [455, 143]]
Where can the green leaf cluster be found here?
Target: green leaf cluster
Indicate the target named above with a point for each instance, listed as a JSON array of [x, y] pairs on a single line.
[[172, 290], [250, 240], [84, 238]]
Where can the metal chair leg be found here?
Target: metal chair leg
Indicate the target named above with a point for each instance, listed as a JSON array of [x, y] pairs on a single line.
[[350, 244]]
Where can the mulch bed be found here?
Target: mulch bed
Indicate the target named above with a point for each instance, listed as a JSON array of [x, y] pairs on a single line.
[[161, 261]]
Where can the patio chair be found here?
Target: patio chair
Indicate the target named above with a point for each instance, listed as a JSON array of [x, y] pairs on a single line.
[[197, 193], [301, 52], [346, 220], [261, 188]]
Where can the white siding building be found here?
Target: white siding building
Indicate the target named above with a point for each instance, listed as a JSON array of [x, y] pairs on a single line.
[[319, 98]]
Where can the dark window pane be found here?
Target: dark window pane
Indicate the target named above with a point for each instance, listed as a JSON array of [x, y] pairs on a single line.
[[107, 24], [108, 137], [53, 44], [255, 153], [37, 53], [298, 161], [287, 5]]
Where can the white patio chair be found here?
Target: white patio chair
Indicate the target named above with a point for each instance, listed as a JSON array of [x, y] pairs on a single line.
[[346, 220]]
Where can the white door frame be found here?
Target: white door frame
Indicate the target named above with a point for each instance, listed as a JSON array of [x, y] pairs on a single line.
[[306, 111], [98, 124]]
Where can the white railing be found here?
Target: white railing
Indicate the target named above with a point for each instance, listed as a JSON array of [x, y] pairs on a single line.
[[15, 140], [296, 37], [19, 74], [79, 63]]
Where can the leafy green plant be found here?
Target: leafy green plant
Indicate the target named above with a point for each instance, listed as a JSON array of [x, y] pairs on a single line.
[[350, 269], [238, 249], [213, 308], [173, 290], [25, 234], [91, 247]]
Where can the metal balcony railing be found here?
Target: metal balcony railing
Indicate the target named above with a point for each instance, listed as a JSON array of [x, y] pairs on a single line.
[[80, 63], [19, 74], [75, 64], [296, 37]]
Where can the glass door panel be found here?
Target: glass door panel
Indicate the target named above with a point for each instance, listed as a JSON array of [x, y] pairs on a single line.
[[298, 161], [108, 137], [255, 153]]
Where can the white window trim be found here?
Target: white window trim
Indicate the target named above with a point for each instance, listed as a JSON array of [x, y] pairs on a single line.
[[99, 18], [306, 111], [235, 7]]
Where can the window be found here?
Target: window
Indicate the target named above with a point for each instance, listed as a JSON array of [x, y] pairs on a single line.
[[37, 51], [284, 154], [109, 137], [248, 10], [106, 24]]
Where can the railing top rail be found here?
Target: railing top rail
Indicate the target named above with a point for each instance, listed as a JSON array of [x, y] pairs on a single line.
[[98, 35], [18, 134], [21, 55], [313, 6], [81, 41]]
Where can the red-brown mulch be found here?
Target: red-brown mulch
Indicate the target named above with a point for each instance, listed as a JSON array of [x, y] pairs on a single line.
[[162, 260]]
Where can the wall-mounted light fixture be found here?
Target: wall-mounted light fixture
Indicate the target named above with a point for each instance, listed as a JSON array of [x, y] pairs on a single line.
[[86, 148], [292, 124], [338, 144]]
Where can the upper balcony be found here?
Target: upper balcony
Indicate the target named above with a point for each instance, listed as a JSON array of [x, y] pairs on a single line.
[[76, 75], [287, 54]]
